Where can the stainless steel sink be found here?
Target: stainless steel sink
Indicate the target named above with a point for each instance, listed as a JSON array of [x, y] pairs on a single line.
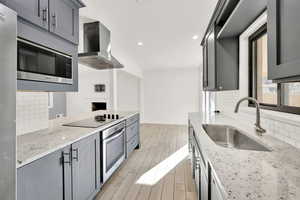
[[230, 137]]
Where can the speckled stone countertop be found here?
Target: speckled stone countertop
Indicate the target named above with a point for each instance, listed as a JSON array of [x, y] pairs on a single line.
[[33, 146], [250, 175]]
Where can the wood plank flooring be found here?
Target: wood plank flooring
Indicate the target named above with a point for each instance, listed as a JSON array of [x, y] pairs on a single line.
[[158, 142]]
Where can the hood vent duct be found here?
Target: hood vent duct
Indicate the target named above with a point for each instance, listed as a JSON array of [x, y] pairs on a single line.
[[97, 47]]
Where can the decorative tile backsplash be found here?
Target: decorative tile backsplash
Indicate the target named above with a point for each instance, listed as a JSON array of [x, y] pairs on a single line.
[[32, 112]]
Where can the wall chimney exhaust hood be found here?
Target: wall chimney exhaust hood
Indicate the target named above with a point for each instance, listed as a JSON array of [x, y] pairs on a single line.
[[97, 47]]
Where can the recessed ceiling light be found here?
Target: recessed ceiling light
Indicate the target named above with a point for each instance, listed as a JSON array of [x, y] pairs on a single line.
[[195, 37], [140, 43]]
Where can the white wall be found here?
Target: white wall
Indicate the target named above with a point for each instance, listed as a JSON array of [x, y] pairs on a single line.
[[128, 92], [169, 95], [80, 102]]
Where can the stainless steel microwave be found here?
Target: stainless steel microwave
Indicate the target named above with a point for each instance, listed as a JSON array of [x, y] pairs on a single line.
[[39, 63]]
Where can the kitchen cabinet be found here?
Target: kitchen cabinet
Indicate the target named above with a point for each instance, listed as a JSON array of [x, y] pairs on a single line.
[[64, 19], [215, 192], [72, 173], [132, 131], [132, 144], [132, 134], [60, 17], [204, 187], [47, 178], [34, 11], [204, 176], [86, 167], [283, 40], [220, 62]]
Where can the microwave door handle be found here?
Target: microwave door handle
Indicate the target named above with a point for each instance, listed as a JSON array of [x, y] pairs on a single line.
[[114, 136]]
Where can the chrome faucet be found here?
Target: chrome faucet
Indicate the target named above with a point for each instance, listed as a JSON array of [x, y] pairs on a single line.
[[258, 127]]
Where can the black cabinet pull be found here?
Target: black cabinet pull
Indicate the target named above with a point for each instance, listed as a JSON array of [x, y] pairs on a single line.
[[54, 20], [64, 158], [45, 14], [76, 156]]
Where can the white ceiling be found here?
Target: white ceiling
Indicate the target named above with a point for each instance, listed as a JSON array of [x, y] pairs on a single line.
[[165, 27]]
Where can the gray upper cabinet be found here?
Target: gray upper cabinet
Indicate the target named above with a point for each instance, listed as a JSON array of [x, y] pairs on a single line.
[[47, 178], [283, 40], [60, 17], [220, 63], [33, 11], [64, 19], [86, 167]]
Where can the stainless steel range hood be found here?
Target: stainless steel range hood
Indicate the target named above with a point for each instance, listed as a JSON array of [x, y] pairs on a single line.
[[97, 47]]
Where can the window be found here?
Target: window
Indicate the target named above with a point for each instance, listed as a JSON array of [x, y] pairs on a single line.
[[284, 97]]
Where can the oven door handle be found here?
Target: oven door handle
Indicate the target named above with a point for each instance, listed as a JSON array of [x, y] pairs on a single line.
[[114, 136]]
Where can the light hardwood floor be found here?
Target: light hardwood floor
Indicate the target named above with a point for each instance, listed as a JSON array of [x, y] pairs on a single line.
[[158, 142]]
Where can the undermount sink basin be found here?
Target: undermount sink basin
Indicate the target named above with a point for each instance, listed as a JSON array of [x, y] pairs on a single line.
[[230, 137]]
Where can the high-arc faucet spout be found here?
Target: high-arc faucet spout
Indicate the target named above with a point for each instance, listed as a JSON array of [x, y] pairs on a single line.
[[258, 127]]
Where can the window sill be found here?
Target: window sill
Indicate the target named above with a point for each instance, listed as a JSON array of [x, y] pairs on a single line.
[[288, 118]]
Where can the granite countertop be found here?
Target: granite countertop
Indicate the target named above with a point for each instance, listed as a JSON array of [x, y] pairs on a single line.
[[250, 175], [33, 146]]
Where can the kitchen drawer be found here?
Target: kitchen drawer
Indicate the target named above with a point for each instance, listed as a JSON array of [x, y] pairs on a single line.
[[132, 131], [132, 119], [132, 144]]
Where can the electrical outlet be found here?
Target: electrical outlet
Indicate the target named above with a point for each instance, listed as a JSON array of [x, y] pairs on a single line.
[[59, 115]]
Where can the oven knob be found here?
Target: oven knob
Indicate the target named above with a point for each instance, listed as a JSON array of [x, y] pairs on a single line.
[[108, 116], [104, 116], [112, 116], [117, 116]]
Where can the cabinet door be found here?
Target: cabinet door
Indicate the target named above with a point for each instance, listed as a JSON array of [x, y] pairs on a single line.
[[205, 78], [204, 184], [64, 19], [215, 192], [44, 178], [34, 11], [211, 61], [132, 131], [227, 63], [86, 167], [283, 39]]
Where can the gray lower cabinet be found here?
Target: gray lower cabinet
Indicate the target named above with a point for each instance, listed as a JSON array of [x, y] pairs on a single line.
[[132, 131], [215, 192], [206, 185], [132, 134], [47, 178], [64, 19], [220, 63], [204, 191], [34, 11], [283, 40], [72, 173], [86, 167], [132, 144]]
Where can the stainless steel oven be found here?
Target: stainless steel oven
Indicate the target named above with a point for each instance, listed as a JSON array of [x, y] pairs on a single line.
[[113, 149], [39, 63]]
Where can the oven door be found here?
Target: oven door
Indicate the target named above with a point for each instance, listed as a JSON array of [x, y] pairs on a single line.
[[113, 153]]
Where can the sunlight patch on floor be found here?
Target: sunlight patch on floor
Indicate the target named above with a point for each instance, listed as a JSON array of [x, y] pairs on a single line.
[[152, 176]]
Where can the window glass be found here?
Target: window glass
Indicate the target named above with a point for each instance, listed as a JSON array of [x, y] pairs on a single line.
[[291, 94], [266, 90]]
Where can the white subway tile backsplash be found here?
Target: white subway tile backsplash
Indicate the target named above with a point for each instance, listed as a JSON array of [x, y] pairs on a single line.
[[32, 112]]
